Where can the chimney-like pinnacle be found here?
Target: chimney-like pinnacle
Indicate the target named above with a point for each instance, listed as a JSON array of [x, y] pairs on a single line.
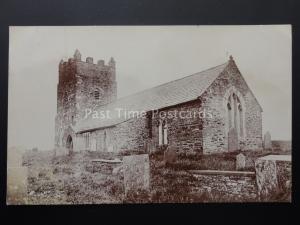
[[230, 58], [112, 62], [101, 62], [77, 55]]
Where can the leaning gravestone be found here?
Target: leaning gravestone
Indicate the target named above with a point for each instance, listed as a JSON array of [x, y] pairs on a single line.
[[267, 141], [136, 169], [170, 156], [16, 178], [240, 161], [232, 140]]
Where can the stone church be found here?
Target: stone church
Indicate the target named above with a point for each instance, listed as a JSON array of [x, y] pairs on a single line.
[[234, 121]]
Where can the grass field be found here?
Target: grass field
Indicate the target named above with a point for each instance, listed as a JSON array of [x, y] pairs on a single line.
[[71, 180], [74, 180]]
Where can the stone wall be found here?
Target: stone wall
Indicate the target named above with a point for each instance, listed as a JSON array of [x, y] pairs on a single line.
[[282, 145], [215, 130], [184, 132], [131, 135], [228, 185], [184, 135], [273, 174], [126, 136]]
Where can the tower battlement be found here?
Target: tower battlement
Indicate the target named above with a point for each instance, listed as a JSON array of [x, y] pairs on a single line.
[[89, 61]]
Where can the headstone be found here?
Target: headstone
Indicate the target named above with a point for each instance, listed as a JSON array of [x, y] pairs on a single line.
[[240, 161], [272, 173], [170, 156], [16, 178], [233, 143], [267, 141], [136, 169]]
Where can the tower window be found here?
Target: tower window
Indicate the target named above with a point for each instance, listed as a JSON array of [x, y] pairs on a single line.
[[96, 94]]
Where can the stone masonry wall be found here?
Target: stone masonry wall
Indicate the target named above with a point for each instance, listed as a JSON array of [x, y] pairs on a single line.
[[132, 134], [227, 186], [129, 135], [184, 132], [215, 138]]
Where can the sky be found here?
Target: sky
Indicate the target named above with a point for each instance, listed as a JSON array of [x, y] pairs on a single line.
[[146, 56]]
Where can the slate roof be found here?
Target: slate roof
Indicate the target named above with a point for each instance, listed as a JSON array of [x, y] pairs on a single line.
[[168, 94]]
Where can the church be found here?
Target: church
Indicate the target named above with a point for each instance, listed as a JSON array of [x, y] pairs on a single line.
[[212, 111]]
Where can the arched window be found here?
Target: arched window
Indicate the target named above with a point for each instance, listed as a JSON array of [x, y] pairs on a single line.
[[163, 133], [235, 114], [241, 120], [160, 134], [229, 115]]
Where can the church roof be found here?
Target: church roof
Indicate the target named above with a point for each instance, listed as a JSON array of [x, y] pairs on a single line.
[[168, 94]]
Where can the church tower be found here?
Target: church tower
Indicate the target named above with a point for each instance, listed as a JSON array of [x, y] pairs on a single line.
[[81, 85]]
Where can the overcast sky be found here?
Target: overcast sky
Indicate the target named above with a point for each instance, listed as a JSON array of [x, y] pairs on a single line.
[[145, 57]]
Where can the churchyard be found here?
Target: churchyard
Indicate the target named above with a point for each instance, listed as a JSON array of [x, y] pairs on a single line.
[[158, 177]]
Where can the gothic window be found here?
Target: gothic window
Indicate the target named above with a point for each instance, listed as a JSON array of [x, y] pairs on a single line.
[[235, 117], [229, 114], [162, 133], [165, 132], [241, 120]]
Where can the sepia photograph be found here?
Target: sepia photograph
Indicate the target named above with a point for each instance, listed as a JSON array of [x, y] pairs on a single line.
[[149, 114]]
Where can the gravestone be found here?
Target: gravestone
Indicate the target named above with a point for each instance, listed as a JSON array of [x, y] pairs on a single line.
[[170, 156], [16, 178], [136, 169], [267, 141], [240, 161], [233, 143], [272, 173]]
